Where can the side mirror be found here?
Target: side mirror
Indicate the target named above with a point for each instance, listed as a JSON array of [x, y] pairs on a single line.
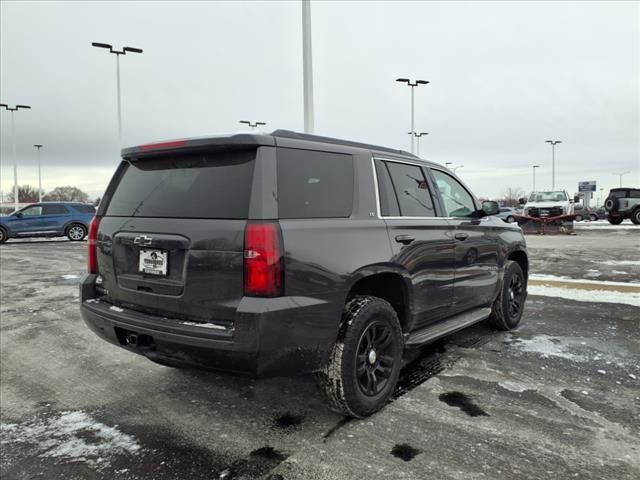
[[522, 201], [490, 207], [18, 214]]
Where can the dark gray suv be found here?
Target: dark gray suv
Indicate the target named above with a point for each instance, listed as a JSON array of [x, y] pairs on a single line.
[[290, 253]]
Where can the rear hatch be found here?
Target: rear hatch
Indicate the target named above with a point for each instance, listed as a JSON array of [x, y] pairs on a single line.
[[171, 237]]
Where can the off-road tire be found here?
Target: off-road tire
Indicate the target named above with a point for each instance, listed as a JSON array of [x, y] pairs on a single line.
[[338, 381], [3, 235], [501, 316], [615, 220], [76, 232], [635, 216]]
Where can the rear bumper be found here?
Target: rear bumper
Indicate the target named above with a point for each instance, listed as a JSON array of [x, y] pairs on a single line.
[[269, 336]]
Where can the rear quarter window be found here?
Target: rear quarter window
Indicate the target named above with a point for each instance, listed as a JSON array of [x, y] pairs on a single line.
[[314, 184], [85, 208], [205, 185]]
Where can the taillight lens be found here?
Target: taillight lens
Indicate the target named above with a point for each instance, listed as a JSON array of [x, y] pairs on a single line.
[[92, 254], [262, 259]]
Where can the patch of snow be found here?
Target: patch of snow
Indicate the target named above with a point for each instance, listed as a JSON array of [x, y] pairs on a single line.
[[619, 272], [116, 309], [602, 372], [579, 295], [514, 386], [616, 263], [73, 436], [554, 278], [205, 325], [631, 375], [70, 277], [547, 347], [604, 225]]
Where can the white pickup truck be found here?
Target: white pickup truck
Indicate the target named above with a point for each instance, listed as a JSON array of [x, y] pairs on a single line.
[[548, 204]]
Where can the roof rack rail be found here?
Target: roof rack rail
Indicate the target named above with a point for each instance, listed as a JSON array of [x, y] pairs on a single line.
[[335, 141]]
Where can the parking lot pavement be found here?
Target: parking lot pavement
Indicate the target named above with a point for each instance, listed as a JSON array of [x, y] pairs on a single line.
[[557, 398]]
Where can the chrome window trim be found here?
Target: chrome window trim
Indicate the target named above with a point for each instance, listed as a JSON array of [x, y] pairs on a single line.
[[377, 189]]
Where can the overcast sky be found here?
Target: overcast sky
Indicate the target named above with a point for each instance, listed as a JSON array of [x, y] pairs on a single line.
[[505, 76]]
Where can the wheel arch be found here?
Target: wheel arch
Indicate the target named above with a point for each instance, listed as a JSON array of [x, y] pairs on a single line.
[[388, 283], [522, 259], [74, 222]]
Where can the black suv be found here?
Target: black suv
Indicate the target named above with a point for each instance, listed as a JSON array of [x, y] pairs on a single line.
[[290, 253], [623, 203]]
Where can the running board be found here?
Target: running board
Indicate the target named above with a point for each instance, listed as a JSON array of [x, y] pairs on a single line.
[[441, 329]]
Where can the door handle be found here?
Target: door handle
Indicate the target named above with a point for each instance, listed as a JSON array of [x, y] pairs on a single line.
[[461, 236], [405, 239]]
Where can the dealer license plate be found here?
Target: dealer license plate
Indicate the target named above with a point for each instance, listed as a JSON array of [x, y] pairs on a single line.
[[153, 262]]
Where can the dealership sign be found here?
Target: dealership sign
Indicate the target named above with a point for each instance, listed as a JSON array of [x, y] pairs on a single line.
[[589, 186]]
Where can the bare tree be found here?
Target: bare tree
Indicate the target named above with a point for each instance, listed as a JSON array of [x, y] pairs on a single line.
[[26, 194], [512, 195], [67, 194]]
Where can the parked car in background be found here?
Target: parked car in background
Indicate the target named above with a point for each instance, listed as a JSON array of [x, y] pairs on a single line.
[[507, 214], [286, 253], [584, 213], [48, 219], [623, 203]]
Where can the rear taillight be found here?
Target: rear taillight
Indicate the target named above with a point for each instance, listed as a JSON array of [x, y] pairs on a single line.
[[263, 259], [92, 254]]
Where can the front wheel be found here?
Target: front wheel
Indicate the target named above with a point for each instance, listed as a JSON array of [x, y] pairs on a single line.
[[615, 220], [365, 362], [509, 306], [635, 216], [578, 218], [76, 232], [593, 217], [510, 219], [3, 235]]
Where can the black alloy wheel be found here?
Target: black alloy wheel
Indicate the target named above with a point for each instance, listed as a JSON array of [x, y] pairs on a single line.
[[375, 361], [516, 294]]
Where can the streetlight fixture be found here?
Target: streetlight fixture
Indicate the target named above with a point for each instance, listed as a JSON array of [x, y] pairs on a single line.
[[38, 146], [418, 135], [459, 166], [446, 164], [534, 177], [15, 156], [553, 161], [412, 85], [620, 175], [117, 53], [252, 125]]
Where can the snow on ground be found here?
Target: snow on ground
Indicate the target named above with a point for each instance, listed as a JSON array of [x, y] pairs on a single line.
[[70, 277], [72, 436], [604, 225], [581, 295], [619, 263], [554, 278], [547, 346]]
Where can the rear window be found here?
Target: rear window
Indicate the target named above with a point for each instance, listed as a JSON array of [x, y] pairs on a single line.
[[314, 184], [85, 208], [207, 185]]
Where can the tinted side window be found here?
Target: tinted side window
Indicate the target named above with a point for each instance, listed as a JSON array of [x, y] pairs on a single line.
[[54, 210], [634, 193], [388, 201], [411, 190], [85, 208], [457, 201], [314, 184]]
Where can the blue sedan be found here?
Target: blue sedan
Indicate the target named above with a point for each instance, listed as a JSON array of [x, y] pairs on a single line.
[[48, 219]]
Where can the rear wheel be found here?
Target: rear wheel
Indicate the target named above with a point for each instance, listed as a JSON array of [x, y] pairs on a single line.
[[593, 217], [3, 235], [635, 216], [365, 363], [509, 306], [578, 218], [615, 220], [76, 232]]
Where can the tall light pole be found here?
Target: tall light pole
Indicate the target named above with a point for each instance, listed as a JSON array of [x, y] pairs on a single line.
[[15, 155], [459, 166], [412, 85], [38, 146], [534, 177], [253, 125], [307, 67], [418, 135], [620, 175], [117, 53], [553, 161]]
